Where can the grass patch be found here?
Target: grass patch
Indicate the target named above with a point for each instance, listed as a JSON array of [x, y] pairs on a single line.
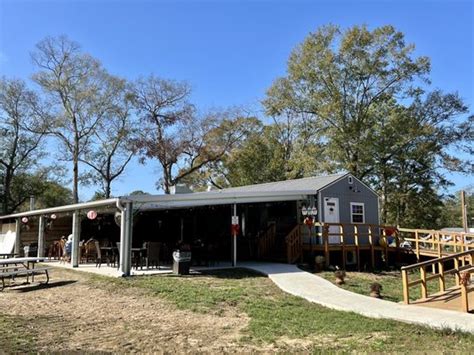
[[15, 335], [391, 281], [275, 316]]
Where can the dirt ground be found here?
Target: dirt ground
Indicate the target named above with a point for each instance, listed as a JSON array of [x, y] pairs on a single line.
[[75, 315]]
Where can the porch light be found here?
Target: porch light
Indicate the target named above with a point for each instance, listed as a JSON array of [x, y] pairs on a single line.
[[304, 211]]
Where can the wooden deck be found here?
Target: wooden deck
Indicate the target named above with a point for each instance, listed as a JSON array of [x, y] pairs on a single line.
[[379, 240], [450, 300]]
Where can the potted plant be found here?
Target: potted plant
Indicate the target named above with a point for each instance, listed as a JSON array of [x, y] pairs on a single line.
[[375, 289], [319, 262], [340, 276]]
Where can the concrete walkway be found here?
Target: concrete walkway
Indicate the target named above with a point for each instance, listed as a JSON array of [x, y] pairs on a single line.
[[318, 290]]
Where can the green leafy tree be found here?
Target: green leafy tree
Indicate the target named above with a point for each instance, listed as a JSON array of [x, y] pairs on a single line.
[[364, 94], [452, 216], [335, 78]]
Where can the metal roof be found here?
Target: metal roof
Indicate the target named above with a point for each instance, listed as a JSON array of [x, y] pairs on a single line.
[[304, 185], [289, 190]]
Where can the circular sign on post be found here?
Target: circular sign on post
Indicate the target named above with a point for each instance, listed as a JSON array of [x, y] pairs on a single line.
[[92, 214]]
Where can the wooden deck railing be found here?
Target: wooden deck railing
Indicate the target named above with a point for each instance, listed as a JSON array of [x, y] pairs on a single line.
[[376, 236], [266, 241], [437, 242], [294, 244], [463, 264]]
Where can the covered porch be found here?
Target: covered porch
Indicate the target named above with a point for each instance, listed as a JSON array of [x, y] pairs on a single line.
[[201, 220]]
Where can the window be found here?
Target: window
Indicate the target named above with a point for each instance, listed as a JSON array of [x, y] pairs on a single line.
[[357, 212]]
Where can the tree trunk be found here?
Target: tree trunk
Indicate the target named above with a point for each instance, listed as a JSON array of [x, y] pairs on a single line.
[[107, 188], [75, 169], [6, 193]]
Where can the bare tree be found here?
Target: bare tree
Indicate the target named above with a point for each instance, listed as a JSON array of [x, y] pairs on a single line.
[[79, 97], [172, 132], [110, 149], [21, 136]]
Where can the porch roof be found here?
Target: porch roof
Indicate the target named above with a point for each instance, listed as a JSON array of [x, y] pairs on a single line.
[[289, 190]]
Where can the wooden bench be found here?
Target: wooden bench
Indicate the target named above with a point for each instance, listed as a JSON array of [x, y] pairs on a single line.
[[22, 272]]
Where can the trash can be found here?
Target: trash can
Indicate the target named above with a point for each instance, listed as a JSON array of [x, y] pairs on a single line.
[[181, 262], [30, 250]]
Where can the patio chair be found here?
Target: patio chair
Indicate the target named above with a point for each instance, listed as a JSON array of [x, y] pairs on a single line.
[[98, 260], [118, 254], [152, 257]]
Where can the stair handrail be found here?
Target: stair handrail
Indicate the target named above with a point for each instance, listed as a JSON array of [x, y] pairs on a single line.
[[294, 244], [266, 240]]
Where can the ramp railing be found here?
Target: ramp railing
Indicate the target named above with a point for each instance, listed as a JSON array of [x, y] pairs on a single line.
[[461, 266]]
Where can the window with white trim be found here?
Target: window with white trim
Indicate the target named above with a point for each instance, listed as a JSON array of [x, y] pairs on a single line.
[[357, 212]]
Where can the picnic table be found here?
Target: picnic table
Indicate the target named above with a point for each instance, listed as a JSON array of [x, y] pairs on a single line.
[[12, 267], [7, 255]]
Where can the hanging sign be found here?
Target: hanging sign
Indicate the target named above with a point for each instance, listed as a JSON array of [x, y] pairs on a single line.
[[53, 216], [92, 214], [24, 220], [235, 229]]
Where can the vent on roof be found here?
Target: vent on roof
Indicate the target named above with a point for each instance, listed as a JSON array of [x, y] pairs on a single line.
[[180, 189], [350, 180]]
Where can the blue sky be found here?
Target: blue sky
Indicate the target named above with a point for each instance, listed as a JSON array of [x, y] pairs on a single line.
[[229, 51]]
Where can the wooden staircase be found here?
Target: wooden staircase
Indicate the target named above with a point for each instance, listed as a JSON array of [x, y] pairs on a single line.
[[276, 244], [294, 245]]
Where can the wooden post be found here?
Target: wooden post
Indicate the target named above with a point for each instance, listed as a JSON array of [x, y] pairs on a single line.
[[356, 239], [438, 236], [406, 290], [343, 246], [464, 211], [465, 277], [456, 267], [417, 244], [384, 234], [442, 285], [464, 298], [372, 253], [325, 230], [424, 289]]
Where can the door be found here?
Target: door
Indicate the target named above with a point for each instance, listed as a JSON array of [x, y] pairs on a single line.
[[331, 215]]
